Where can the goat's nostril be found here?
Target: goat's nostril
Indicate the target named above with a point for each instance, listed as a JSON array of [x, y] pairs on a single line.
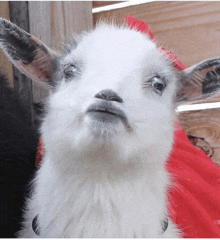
[[109, 95]]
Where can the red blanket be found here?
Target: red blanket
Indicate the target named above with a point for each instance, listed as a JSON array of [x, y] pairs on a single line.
[[195, 197]]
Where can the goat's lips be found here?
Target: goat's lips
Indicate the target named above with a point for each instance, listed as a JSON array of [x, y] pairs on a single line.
[[106, 113]]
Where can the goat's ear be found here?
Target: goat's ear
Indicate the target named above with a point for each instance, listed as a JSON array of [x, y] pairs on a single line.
[[26, 52], [200, 81]]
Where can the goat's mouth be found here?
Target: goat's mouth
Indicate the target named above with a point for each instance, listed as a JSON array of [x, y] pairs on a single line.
[[107, 113]]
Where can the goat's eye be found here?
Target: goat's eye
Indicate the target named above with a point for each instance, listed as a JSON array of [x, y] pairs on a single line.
[[70, 71], [158, 85]]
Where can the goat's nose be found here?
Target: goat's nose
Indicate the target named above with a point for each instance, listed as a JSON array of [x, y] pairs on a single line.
[[109, 95]]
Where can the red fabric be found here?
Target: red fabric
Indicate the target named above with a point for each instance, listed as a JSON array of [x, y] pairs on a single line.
[[194, 198], [139, 26]]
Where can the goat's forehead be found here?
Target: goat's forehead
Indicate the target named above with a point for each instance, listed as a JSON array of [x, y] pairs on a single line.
[[108, 41]]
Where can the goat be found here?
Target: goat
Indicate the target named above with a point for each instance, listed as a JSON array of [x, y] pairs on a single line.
[[107, 133]]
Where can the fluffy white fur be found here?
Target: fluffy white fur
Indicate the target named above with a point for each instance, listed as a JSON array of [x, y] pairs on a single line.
[[102, 178], [106, 179], [108, 132]]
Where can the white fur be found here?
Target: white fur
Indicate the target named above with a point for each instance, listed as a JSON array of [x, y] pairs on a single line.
[[102, 179]]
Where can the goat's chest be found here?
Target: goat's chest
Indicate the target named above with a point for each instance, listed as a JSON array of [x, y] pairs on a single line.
[[86, 209]]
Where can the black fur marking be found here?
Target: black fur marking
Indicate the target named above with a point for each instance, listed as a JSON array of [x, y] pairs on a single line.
[[35, 225], [59, 67], [17, 42], [208, 64], [165, 224], [44, 49], [212, 81], [57, 71]]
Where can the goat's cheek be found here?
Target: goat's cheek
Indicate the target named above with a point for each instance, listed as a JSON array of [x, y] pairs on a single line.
[[63, 120]]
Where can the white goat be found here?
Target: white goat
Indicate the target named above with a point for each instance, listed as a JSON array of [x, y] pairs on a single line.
[[107, 133]]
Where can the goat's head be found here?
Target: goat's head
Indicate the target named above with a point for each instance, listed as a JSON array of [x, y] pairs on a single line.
[[113, 93]]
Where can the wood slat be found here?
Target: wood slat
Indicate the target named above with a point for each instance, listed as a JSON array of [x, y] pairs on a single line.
[[215, 98], [39, 24], [5, 64], [39, 20], [190, 29], [68, 17], [204, 126], [22, 84], [96, 4]]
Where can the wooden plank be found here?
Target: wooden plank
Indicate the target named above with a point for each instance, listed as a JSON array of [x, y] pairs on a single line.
[[22, 84], [215, 98], [96, 4], [4, 9], [68, 17], [39, 24], [190, 29], [204, 127], [5, 64], [39, 15]]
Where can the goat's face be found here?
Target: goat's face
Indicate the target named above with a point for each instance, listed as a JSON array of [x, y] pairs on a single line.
[[115, 91], [114, 95]]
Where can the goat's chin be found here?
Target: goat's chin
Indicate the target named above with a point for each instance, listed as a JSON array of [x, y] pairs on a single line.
[[104, 131], [96, 136]]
